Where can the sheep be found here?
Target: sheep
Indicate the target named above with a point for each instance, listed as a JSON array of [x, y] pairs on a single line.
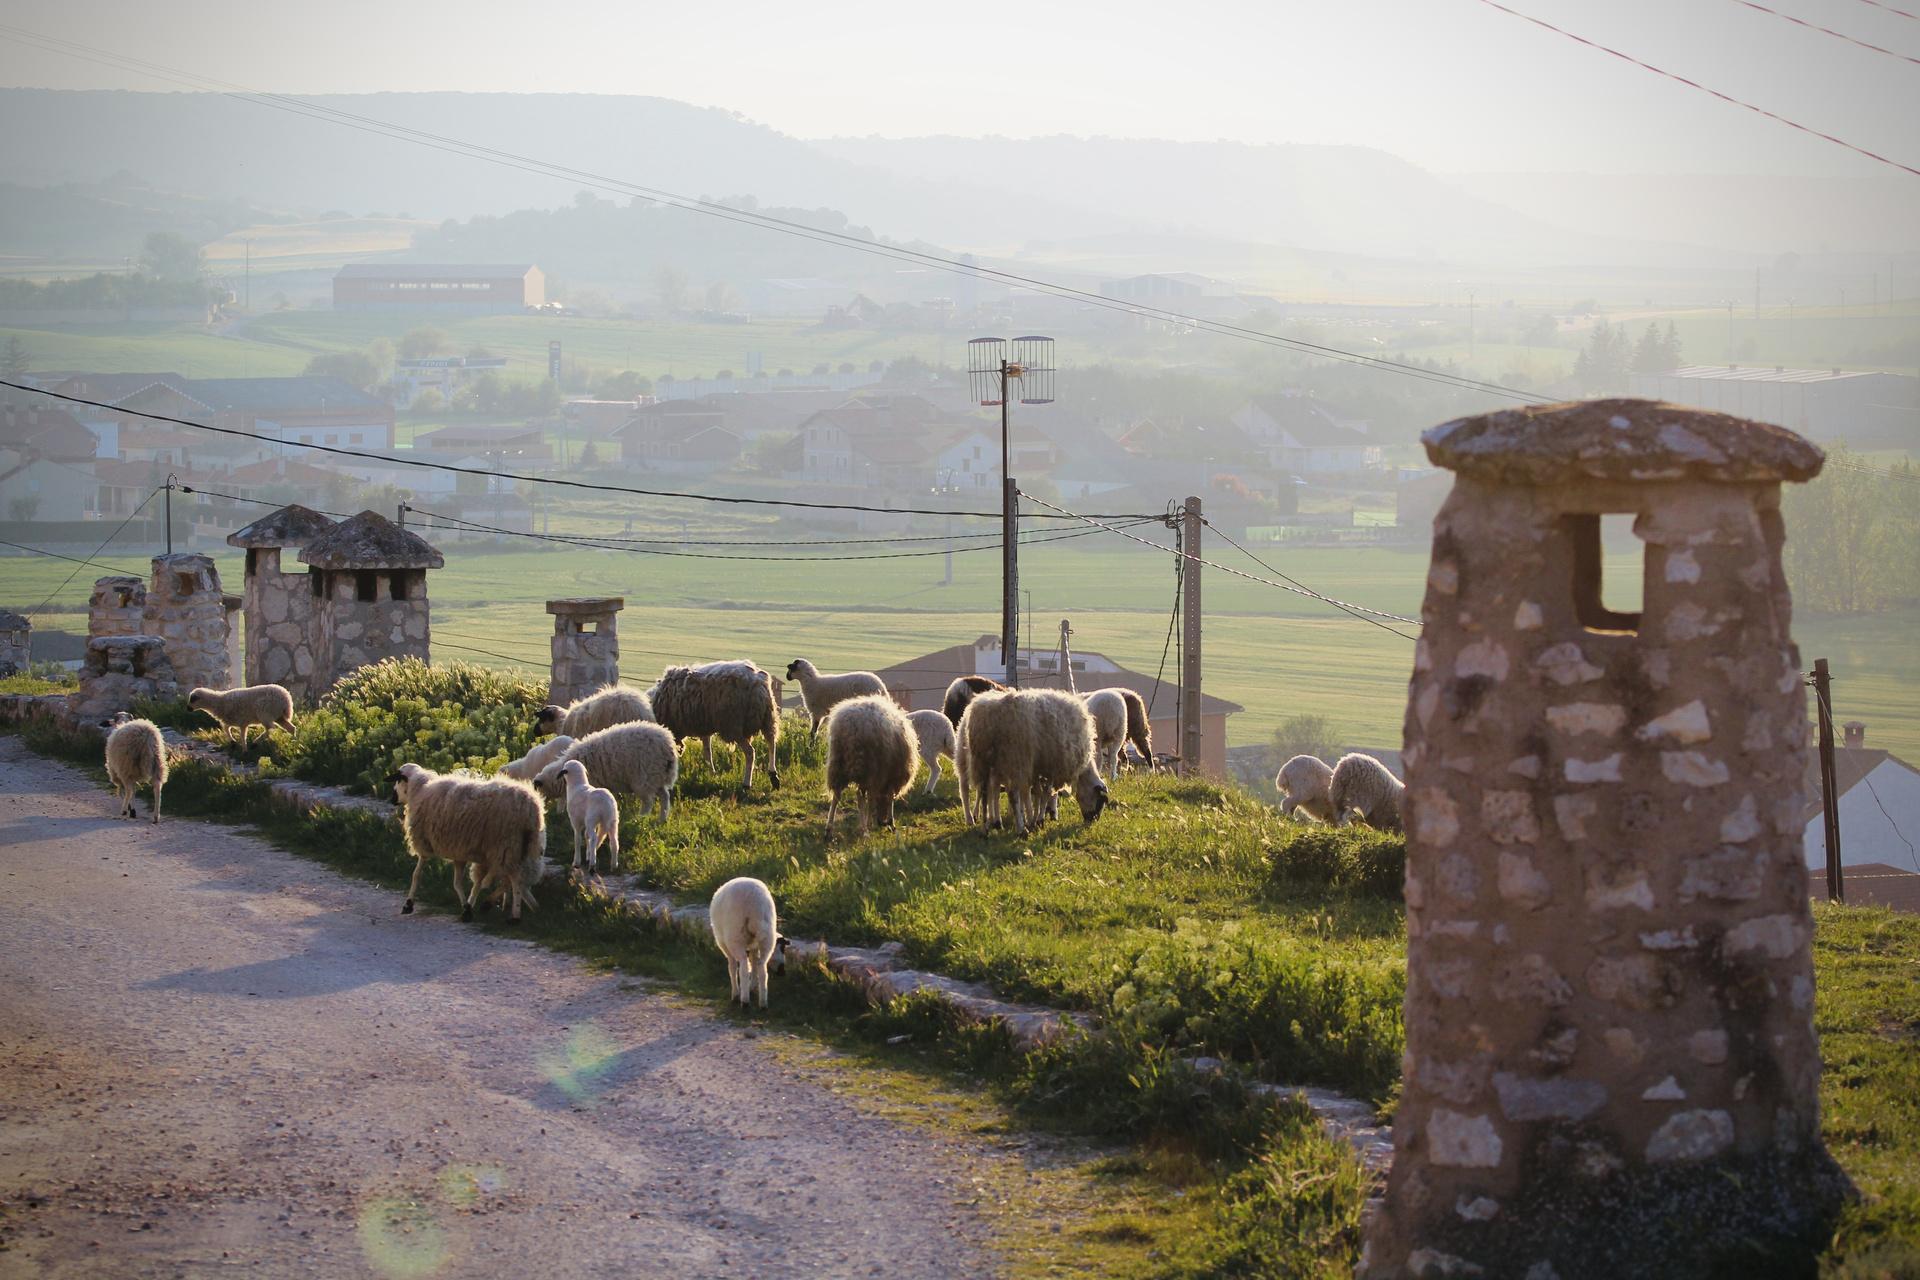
[[595, 816], [870, 744], [748, 930], [494, 828], [639, 759], [1139, 728], [1109, 712], [963, 691], [528, 766], [1360, 784], [602, 709], [136, 753], [1029, 744], [732, 701], [821, 694], [935, 738], [1303, 784], [268, 705]]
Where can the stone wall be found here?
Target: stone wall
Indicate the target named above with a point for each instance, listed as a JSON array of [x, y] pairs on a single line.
[[117, 607], [586, 647], [281, 627], [352, 632], [187, 609], [119, 669], [16, 648]]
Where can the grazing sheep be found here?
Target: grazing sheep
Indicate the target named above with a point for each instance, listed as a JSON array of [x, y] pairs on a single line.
[[595, 816], [871, 745], [639, 759], [1360, 784], [1030, 743], [1139, 728], [748, 931], [1304, 782], [136, 753], [1109, 712], [528, 766], [935, 738], [266, 705], [821, 694], [963, 691], [494, 828], [732, 701], [602, 709]]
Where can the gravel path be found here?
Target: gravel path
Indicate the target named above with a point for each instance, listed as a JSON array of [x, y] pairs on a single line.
[[216, 1058]]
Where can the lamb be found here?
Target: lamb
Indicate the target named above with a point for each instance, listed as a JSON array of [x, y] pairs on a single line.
[[1109, 712], [1029, 744], [821, 694], [528, 766], [935, 738], [1360, 784], [963, 691], [639, 759], [1303, 783], [870, 744], [732, 701], [747, 929], [136, 753], [595, 816], [602, 709], [493, 828], [268, 705]]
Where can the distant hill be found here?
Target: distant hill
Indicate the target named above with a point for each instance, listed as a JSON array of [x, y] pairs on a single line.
[[100, 223]]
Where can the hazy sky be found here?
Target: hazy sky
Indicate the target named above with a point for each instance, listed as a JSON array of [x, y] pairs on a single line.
[[1451, 84]]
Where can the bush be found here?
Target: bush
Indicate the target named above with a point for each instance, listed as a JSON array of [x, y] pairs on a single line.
[[1356, 858]]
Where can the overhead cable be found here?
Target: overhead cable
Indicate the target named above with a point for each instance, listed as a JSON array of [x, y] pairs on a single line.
[[1837, 35]]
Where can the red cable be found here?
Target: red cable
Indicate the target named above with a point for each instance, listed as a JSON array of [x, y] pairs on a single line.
[[1837, 35]]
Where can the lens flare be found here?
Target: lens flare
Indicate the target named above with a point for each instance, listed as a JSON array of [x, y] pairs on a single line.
[[401, 1237], [577, 1066]]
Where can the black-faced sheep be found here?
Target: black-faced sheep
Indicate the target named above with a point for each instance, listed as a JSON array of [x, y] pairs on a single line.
[[870, 745], [640, 759], [602, 709], [136, 753], [1304, 784], [732, 701], [820, 694], [595, 817], [1360, 784], [528, 766], [935, 738], [267, 705], [748, 930], [963, 691], [1030, 743], [493, 828]]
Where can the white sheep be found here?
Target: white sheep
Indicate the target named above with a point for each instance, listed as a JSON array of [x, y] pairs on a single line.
[[602, 709], [748, 930], [268, 705], [493, 828], [595, 816], [935, 736], [1109, 711], [1139, 728], [1029, 744], [1360, 784], [638, 758], [136, 753], [732, 701], [1304, 784], [871, 745], [528, 766], [821, 693]]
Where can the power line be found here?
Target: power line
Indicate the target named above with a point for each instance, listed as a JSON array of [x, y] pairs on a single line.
[[55, 555], [1890, 9], [512, 160], [1695, 84], [1342, 605], [1837, 35], [96, 551], [1912, 856]]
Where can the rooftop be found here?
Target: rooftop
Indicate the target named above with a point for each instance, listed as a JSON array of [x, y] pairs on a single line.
[[370, 541], [291, 526], [1760, 373], [433, 271]]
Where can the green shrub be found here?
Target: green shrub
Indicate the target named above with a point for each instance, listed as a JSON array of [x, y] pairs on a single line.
[[385, 682], [1356, 858]]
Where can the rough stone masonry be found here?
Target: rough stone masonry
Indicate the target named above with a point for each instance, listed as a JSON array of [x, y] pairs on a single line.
[[1611, 1067]]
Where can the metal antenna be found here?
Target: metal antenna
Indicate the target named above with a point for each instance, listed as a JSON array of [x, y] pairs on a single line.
[[994, 365]]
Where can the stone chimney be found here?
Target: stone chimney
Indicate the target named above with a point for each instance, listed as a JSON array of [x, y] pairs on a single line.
[[368, 583], [186, 608], [279, 602], [586, 646], [117, 607], [1856, 733], [1611, 1067]]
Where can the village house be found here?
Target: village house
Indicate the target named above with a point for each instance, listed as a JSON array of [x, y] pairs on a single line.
[[267, 412], [46, 465], [685, 439], [1306, 436], [1879, 805], [501, 444]]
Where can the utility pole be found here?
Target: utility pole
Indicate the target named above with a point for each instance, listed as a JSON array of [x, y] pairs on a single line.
[[1009, 544], [171, 481], [248, 295], [1829, 801], [1066, 655], [400, 516], [993, 366], [1190, 641]]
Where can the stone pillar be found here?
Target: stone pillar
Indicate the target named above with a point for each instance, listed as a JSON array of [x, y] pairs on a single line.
[[186, 608], [279, 624], [586, 646], [236, 656], [119, 669], [16, 642], [117, 607], [1611, 1067]]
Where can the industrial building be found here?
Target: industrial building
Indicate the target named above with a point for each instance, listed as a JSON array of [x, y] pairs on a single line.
[[1862, 409], [467, 288]]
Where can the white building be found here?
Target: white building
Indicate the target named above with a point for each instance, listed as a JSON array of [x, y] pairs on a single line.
[[1879, 807], [1306, 436]]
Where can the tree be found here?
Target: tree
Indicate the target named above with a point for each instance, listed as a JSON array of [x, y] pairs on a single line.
[[590, 456], [428, 402], [625, 385], [167, 256], [23, 509], [1853, 536], [1670, 356], [1650, 353], [846, 366], [1304, 736], [422, 343], [1603, 364], [355, 367], [670, 290], [720, 297], [14, 362]]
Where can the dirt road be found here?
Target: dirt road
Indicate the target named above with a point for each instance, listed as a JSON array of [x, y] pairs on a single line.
[[219, 1059]]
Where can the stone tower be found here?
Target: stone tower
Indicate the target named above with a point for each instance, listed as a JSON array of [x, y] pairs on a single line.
[[368, 580], [1611, 1067], [186, 608], [586, 646], [279, 602], [117, 607]]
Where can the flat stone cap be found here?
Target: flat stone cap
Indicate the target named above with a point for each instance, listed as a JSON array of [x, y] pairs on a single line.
[[1621, 440], [370, 541], [291, 526], [182, 560], [11, 621], [587, 604], [119, 582]]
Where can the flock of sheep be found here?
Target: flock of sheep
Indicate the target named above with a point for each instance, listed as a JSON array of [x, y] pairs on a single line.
[[1030, 745]]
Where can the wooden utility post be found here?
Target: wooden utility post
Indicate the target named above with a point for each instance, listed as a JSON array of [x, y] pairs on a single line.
[[1010, 579], [1190, 642], [1829, 799]]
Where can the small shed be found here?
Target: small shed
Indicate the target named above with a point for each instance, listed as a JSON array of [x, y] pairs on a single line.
[[277, 602], [367, 580]]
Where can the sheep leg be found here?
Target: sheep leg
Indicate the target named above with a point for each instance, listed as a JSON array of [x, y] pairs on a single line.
[[753, 752], [156, 804], [466, 904], [578, 838], [613, 848], [413, 889], [757, 977], [933, 776], [666, 804], [833, 807], [733, 977]]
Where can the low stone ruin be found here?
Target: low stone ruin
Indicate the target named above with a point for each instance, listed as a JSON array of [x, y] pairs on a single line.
[[16, 642], [119, 669], [586, 646], [117, 607]]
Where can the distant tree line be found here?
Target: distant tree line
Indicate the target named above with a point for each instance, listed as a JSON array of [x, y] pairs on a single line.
[[172, 273], [1853, 536], [1611, 354]]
